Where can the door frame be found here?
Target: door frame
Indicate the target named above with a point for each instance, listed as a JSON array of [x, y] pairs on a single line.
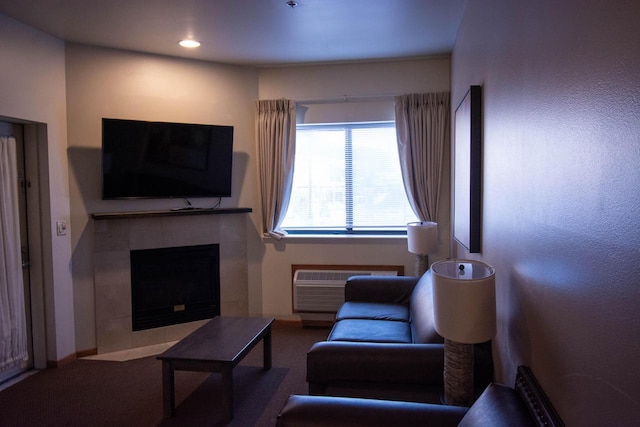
[[36, 173], [36, 155]]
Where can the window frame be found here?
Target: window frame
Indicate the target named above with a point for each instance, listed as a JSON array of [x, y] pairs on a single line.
[[349, 206]]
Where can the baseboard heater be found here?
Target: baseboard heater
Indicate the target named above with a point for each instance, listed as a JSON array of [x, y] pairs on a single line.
[[320, 289]]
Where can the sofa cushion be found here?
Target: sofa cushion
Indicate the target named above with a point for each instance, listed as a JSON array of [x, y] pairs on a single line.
[[373, 310], [386, 289], [498, 406], [362, 330]]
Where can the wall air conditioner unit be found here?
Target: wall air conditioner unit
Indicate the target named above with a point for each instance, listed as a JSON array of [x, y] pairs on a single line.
[[322, 291]]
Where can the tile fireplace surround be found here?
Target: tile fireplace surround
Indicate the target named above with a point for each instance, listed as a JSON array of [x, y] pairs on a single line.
[[117, 234]]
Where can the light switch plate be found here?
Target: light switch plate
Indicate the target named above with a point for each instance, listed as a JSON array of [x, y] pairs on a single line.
[[61, 228]]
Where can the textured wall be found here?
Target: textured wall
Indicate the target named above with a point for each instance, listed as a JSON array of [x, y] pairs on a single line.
[[334, 81], [561, 202], [32, 89], [126, 85]]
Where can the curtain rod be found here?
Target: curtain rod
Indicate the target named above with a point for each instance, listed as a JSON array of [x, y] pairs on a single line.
[[346, 98]]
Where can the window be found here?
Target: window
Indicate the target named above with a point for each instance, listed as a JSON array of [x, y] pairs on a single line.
[[347, 180]]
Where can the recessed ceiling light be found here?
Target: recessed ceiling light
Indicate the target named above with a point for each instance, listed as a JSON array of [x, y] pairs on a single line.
[[189, 43]]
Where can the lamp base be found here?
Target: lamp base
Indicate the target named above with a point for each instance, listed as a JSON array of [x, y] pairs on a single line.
[[421, 265], [458, 373]]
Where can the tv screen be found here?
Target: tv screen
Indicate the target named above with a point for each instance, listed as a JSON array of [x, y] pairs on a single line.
[[165, 160]]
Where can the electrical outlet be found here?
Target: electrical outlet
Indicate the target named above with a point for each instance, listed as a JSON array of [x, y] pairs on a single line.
[[61, 228]]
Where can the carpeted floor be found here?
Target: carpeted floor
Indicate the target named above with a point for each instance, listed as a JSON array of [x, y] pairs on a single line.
[[104, 393]]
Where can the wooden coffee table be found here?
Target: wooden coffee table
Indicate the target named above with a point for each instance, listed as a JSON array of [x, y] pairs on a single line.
[[216, 346]]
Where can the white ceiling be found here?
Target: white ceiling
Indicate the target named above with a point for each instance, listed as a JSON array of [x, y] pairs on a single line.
[[256, 32]]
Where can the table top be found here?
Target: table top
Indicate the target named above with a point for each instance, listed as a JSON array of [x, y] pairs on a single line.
[[222, 339]]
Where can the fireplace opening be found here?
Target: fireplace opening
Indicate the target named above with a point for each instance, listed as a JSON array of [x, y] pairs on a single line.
[[174, 285]]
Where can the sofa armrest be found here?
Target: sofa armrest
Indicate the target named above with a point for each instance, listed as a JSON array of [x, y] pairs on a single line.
[[392, 289], [327, 411], [498, 406], [342, 361]]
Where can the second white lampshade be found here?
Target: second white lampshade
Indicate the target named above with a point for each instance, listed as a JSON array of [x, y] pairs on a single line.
[[422, 237]]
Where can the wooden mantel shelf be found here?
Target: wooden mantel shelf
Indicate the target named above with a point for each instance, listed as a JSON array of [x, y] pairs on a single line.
[[170, 212]]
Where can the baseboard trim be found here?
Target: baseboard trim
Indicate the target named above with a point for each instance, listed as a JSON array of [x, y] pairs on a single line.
[[323, 324], [86, 353], [94, 351], [62, 362], [289, 322]]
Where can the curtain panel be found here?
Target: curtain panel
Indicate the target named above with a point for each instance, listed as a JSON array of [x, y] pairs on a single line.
[[275, 141], [423, 129], [13, 331]]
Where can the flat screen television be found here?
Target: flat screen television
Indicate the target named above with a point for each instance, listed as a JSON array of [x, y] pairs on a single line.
[[143, 159]]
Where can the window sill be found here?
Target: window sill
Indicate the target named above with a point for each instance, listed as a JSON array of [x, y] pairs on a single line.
[[325, 237]]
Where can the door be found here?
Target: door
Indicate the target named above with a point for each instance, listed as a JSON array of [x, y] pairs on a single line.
[[17, 131]]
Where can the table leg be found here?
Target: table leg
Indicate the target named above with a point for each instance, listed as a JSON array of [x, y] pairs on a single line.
[[227, 393], [267, 350], [168, 395]]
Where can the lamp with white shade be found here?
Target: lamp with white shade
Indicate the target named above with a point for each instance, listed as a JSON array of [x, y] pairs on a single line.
[[464, 305], [422, 240]]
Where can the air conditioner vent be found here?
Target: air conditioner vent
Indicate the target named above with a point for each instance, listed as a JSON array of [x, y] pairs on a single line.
[[328, 276], [322, 291]]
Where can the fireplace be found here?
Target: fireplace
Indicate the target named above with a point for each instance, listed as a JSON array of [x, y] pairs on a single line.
[[174, 285], [115, 236]]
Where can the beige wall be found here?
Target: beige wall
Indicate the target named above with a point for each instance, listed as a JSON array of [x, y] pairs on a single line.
[[561, 199], [362, 82], [110, 83], [118, 84], [32, 89]]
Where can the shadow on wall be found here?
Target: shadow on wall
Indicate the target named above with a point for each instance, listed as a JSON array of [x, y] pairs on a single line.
[[85, 166], [85, 172], [562, 303]]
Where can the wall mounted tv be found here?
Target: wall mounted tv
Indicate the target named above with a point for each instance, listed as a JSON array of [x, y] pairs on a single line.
[[165, 160]]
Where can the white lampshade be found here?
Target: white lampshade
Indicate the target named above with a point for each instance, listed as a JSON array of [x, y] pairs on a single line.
[[464, 300], [422, 237]]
